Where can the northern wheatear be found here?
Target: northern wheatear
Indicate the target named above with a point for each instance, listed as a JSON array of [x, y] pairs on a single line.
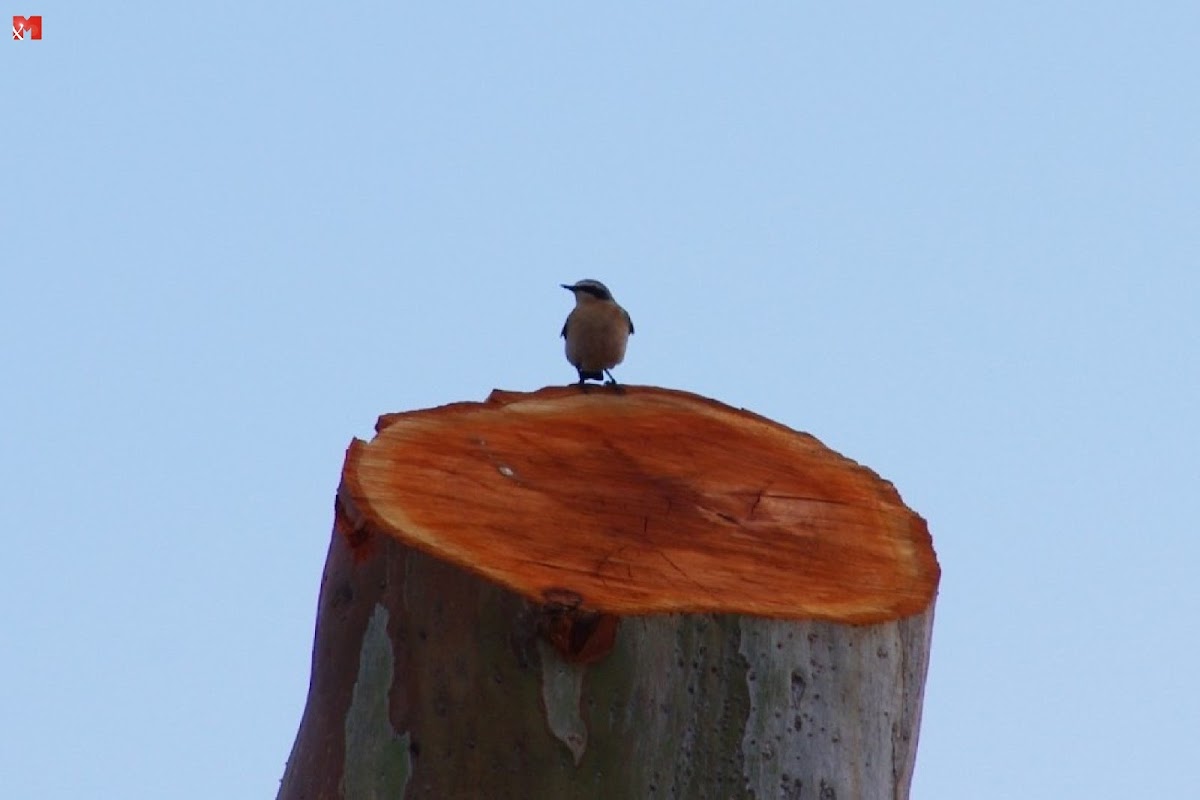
[[596, 331]]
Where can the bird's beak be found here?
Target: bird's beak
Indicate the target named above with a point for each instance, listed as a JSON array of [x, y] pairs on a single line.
[[568, 287]]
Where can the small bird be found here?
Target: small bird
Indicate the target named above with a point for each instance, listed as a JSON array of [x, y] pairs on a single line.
[[596, 331]]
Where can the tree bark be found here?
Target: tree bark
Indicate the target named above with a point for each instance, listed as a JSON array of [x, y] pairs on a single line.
[[642, 594]]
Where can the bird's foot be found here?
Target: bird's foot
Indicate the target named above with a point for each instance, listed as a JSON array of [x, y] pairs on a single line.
[[587, 375]]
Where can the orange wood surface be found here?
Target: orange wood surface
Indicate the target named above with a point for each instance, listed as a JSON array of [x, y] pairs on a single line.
[[640, 501]]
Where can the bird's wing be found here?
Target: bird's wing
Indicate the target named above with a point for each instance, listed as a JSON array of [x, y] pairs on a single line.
[[564, 330], [629, 320]]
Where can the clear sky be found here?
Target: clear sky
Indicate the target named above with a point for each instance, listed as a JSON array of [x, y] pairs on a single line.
[[957, 242]]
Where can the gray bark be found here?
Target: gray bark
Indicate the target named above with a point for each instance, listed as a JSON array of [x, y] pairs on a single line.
[[428, 682]]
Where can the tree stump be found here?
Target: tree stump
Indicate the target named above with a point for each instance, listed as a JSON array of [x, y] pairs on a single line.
[[613, 593]]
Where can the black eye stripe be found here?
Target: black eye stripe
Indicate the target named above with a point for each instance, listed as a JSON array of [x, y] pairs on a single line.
[[596, 292]]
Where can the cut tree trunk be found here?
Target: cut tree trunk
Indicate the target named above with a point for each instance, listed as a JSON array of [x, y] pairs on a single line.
[[613, 594]]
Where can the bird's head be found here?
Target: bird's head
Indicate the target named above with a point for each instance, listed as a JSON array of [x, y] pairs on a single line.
[[588, 289]]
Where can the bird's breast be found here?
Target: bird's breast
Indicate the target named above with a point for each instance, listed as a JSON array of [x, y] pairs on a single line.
[[596, 337]]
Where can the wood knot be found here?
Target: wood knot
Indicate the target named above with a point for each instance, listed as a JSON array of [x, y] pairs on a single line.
[[580, 636]]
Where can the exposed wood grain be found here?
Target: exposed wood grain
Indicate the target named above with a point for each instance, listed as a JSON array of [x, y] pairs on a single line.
[[642, 501]]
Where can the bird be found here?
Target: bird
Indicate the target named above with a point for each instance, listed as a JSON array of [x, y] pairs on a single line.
[[596, 331]]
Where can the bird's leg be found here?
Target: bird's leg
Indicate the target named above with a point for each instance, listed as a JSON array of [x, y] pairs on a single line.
[[583, 387], [613, 382]]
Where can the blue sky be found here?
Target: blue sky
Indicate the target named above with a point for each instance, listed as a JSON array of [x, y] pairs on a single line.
[[956, 242]]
